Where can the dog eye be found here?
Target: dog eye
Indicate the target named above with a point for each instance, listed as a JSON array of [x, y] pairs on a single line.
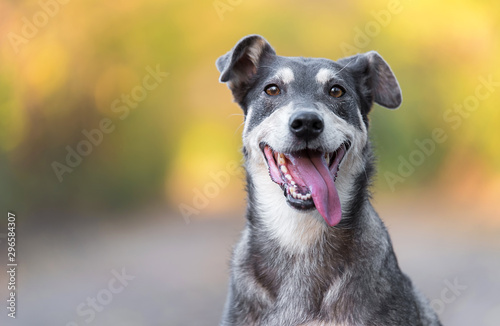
[[272, 90], [337, 91]]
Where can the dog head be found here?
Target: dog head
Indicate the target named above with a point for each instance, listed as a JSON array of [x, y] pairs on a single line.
[[306, 122]]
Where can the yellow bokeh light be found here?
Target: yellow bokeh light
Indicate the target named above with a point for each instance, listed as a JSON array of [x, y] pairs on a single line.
[[45, 68], [111, 84], [206, 149]]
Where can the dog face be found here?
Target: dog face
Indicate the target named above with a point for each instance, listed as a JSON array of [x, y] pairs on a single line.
[[306, 123]]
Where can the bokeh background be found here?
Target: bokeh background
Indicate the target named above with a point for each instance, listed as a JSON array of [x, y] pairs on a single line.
[[159, 194]]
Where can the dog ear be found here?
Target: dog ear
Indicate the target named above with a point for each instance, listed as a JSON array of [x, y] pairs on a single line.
[[380, 84], [240, 65]]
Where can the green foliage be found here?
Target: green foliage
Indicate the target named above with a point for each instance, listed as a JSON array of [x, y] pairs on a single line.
[[66, 78]]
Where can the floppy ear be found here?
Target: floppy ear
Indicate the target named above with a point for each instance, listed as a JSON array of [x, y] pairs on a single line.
[[378, 81], [240, 65]]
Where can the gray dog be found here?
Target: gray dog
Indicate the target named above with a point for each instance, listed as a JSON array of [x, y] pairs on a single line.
[[314, 251]]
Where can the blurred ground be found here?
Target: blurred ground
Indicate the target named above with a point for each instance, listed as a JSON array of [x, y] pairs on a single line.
[[180, 270]]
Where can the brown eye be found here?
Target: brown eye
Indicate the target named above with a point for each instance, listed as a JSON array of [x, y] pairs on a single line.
[[336, 91], [272, 90]]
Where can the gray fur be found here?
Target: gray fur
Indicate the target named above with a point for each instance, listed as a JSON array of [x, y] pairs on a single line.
[[290, 268]]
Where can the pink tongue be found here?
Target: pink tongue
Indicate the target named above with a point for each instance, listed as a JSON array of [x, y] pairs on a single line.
[[314, 172]]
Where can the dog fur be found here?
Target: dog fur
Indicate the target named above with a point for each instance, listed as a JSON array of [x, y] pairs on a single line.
[[290, 267]]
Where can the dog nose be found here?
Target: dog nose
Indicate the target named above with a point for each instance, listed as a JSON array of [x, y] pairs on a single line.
[[306, 125]]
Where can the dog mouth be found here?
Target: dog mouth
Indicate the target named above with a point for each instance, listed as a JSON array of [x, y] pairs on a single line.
[[307, 178]]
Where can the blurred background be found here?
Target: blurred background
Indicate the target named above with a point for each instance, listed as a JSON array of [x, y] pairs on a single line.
[[120, 150]]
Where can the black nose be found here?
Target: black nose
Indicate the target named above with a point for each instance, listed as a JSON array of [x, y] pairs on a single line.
[[306, 125]]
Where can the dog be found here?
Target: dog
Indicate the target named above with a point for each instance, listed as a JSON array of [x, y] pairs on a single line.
[[313, 251]]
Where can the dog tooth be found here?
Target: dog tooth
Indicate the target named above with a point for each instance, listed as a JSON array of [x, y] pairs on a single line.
[[281, 159], [284, 169], [293, 183], [293, 189], [288, 176]]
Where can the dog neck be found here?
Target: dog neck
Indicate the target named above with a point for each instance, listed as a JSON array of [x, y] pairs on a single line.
[[293, 252]]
